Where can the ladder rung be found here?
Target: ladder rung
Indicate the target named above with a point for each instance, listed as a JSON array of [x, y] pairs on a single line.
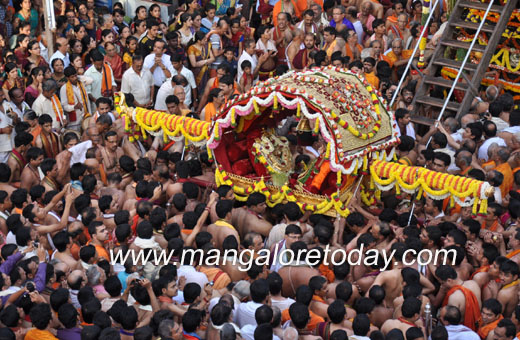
[[445, 83], [455, 64], [423, 120], [481, 6], [452, 106], [461, 44], [472, 26]]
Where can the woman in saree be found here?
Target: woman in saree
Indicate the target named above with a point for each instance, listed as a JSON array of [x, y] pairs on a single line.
[[201, 57], [223, 5]]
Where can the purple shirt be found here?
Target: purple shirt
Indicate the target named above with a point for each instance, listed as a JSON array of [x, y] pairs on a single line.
[[69, 334], [9, 264]]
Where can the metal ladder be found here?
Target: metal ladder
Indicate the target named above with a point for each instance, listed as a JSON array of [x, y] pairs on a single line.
[[475, 71]]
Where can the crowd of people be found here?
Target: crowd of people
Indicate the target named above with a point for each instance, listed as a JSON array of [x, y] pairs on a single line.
[[74, 188]]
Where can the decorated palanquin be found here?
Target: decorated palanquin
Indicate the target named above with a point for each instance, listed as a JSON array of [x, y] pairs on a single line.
[[339, 117], [337, 113], [506, 59]]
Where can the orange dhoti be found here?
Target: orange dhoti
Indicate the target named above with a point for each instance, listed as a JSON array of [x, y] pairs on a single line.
[[472, 310]]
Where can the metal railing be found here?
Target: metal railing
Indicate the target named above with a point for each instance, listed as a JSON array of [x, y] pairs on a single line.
[[410, 61], [461, 69]]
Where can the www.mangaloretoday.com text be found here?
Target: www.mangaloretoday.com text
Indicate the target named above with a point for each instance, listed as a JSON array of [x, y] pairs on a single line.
[[245, 258]]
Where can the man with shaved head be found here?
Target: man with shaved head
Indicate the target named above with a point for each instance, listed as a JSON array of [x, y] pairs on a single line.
[[77, 279]]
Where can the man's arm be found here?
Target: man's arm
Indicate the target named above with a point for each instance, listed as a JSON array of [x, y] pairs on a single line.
[[26, 180], [44, 229], [153, 299], [193, 85], [201, 220], [168, 67], [63, 165], [39, 278], [11, 261], [261, 60], [205, 95]]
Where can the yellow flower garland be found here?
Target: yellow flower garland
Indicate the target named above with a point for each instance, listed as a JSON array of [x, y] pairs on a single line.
[[285, 193], [435, 185]]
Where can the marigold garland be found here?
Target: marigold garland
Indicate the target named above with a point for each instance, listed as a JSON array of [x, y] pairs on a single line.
[[436, 185], [285, 193]]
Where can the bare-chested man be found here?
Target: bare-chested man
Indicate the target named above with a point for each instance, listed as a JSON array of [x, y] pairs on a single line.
[[5, 174], [70, 139], [300, 317], [252, 218], [318, 304], [281, 34], [392, 280], [508, 294], [294, 46], [295, 273], [30, 175], [63, 243], [411, 311], [465, 295], [381, 311], [213, 83], [489, 280], [223, 227], [228, 263], [381, 233], [50, 171], [101, 126], [514, 246], [108, 205], [16, 160], [111, 152]]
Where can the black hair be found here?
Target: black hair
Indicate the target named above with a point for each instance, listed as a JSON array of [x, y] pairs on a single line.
[[259, 290], [68, 315], [191, 320], [41, 315]]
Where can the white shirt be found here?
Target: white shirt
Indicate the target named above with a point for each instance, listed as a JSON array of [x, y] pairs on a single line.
[[44, 52], [500, 123], [77, 99], [138, 84], [186, 73], [234, 312], [270, 45], [248, 333], [358, 337], [512, 129], [246, 313], [164, 91], [252, 59], [192, 275], [97, 77], [461, 332], [277, 257], [158, 74], [410, 131], [59, 55], [358, 27], [282, 304], [483, 150], [5, 139], [15, 108], [43, 105]]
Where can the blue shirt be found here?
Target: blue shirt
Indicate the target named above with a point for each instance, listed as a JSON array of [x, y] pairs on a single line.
[[345, 22]]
